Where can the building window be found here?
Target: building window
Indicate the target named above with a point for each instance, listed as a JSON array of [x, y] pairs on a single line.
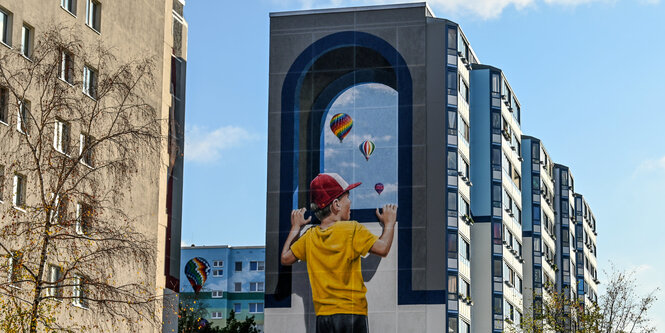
[[452, 245], [237, 307], [86, 149], [451, 82], [256, 286], [84, 214], [452, 122], [238, 266], [27, 38], [93, 14], [465, 130], [59, 210], [2, 183], [216, 315], [4, 105], [14, 267], [464, 288], [255, 307], [23, 119], [496, 85], [452, 324], [217, 263], [237, 286], [257, 266], [80, 294], [54, 280], [465, 249], [61, 136], [5, 27], [217, 272], [464, 89], [69, 5], [66, 69], [90, 81], [20, 184], [217, 294]]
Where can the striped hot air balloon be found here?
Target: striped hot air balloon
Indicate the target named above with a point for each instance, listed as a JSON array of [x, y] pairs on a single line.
[[367, 148], [197, 270], [340, 125]]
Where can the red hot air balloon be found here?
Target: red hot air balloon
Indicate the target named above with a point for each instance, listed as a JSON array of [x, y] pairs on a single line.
[[378, 188], [367, 148], [341, 124]]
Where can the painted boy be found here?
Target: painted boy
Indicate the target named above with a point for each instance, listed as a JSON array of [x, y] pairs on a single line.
[[333, 250]]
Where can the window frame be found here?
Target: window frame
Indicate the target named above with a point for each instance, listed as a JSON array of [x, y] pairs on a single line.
[[236, 266], [237, 307], [90, 77], [23, 117], [54, 290], [236, 285], [66, 69], [83, 225], [69, 6], [6, 27], [4, 105], [257, 265], [78, 292], [19, 191], [61, 136], [88, 158], [27, 40], [217, 294], [217, 273], [93, 15]]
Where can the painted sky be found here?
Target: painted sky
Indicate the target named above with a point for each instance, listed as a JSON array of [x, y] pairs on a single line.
[[589, 75]]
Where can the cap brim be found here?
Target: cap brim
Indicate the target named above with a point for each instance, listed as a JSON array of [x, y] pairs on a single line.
[[352, 186]]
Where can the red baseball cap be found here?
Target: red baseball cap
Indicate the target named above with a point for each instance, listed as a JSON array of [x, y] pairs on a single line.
[[327, 187]]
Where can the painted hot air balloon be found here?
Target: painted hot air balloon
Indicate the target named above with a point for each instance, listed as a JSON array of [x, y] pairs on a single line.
[[367, 148], [378, 188], [197, 270], [341, 124]]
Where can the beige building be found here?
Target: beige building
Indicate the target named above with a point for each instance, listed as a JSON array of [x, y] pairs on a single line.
[[131, 30]]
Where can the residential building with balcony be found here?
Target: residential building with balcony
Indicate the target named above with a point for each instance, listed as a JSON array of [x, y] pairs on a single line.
[[538, 229], [496, 201], [585, 252]]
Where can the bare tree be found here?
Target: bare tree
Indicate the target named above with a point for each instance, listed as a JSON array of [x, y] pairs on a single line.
[[78, 130], [620, 310]]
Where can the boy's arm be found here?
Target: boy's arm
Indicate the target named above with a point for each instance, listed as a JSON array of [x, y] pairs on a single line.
[[388, 218], [297, 222]]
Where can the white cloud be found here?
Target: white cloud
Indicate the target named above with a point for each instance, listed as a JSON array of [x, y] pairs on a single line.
[[205, 146], [652, 164], [485, 9]]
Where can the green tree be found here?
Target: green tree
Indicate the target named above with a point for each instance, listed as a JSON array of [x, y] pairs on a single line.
[[620, 310], [234, 326]]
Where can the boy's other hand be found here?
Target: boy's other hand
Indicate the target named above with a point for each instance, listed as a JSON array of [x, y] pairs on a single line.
[[298, 218], [388, 215]]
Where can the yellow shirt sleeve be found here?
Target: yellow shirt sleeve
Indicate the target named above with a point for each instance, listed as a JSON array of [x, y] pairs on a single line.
[[298, 247], [363, 239]]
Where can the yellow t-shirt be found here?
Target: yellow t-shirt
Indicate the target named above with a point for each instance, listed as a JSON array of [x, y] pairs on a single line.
[[333, 264]]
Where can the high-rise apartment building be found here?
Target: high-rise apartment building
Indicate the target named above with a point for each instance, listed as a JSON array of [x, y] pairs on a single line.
[[538, 228], [235, 281], [131, 30], [496, 201], [479, 236]]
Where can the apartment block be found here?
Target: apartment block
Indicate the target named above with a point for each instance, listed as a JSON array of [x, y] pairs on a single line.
[[479, 226], [496, 201], [153, 197], [538, 231], [235, 280]]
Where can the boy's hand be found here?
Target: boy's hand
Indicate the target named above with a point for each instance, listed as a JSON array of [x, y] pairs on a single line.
[[388, 215], [298, 218]]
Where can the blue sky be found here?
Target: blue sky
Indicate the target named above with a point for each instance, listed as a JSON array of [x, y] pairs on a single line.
[[589, 75]]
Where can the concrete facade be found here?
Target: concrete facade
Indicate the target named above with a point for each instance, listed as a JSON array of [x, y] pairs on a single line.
[[131, 30]]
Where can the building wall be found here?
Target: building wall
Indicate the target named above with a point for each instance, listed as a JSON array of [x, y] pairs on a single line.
[[154, 195], [252, 271]]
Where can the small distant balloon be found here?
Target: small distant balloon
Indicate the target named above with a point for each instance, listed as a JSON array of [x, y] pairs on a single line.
[[197, 270], [367, 148], [341, 124], [378, 188]]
